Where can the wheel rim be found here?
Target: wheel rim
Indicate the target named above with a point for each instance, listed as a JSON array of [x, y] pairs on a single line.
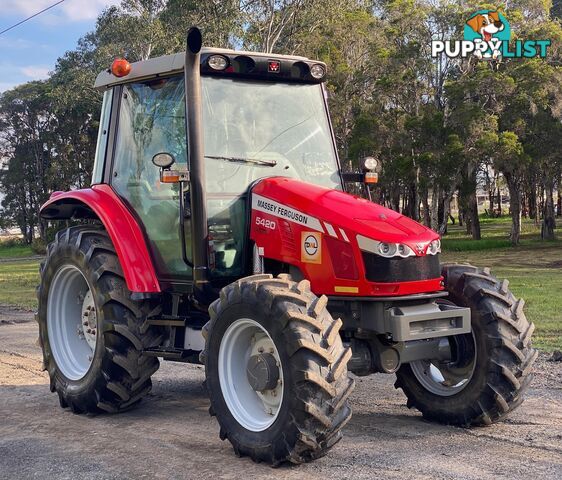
[[71, 322], [254, 410], [447, 378]]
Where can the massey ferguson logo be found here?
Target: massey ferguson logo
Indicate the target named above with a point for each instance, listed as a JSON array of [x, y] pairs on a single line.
[[273, 66]]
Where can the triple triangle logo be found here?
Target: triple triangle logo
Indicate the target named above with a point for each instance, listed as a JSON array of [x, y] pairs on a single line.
[[487, 36]]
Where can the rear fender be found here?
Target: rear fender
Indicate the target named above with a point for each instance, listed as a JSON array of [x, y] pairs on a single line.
[[102, 202]]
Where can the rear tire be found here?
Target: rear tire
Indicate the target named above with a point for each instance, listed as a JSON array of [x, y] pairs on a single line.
[[118, 373], [504, 356], [313, 364]]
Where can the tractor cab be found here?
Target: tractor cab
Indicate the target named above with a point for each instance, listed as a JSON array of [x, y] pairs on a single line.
[[262, 116]]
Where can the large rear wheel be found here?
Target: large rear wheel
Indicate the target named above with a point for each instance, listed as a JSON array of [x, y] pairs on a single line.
[[276, 370], [92, 333], [489, 369]]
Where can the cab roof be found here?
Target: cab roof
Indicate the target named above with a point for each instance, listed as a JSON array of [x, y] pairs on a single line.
[[169, 64]]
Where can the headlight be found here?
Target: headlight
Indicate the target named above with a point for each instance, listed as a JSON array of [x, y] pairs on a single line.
[[434, 247], [405, 251], [387, 249], [384, 249]]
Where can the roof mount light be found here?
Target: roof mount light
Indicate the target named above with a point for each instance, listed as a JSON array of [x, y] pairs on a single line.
[[217, 62], [120, 67], [317, 71]]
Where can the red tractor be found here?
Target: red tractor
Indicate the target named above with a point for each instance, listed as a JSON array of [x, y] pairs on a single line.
[[217, 230]]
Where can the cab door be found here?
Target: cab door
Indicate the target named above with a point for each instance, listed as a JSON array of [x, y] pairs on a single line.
[[151, 120]]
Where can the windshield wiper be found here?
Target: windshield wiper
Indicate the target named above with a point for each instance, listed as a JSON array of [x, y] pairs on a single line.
[[257, 161]]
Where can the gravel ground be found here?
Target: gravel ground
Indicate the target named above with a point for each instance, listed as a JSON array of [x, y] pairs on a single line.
[[170, 434]]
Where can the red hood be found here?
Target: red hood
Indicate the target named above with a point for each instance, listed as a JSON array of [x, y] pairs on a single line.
[[342, 210]]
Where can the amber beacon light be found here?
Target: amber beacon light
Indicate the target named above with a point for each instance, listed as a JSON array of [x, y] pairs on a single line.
[[120, 67]]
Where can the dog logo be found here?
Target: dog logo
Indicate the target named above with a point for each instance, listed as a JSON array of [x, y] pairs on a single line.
[[488, 29], [487, 36]]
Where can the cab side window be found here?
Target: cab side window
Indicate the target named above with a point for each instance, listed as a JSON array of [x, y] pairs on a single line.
[[151, 121]]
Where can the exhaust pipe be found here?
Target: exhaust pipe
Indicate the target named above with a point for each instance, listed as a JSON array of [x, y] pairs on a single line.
[[198, 197]]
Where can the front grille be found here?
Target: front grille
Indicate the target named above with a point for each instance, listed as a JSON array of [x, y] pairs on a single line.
[[398, 269]]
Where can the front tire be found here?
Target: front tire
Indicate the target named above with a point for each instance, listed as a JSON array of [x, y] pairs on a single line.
[[92, 333], [296, 410], [497, 356]]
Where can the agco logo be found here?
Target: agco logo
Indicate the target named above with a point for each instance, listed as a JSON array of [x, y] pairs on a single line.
[[487, 35]]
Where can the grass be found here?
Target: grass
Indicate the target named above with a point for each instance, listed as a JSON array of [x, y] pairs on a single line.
[[495, 234], [18, 280], [10, 250], [534, 270]]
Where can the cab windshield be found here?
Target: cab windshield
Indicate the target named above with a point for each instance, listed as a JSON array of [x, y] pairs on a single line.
[[251, 130], [256, 129]]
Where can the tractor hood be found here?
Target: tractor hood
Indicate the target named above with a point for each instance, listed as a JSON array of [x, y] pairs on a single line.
[[338, 210]]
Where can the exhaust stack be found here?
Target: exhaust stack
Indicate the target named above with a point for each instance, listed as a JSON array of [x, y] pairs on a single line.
[[194, 122]]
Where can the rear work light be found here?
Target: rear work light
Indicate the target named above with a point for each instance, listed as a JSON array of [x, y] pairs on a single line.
[[342, 258], [120, 67]]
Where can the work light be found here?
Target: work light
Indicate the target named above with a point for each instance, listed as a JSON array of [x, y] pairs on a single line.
[[217, 62], [317, 71]]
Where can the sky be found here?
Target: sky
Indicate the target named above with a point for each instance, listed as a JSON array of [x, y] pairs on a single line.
[[29, 51]]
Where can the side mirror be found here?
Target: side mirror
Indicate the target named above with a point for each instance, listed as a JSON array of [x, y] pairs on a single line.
[[163, 160]]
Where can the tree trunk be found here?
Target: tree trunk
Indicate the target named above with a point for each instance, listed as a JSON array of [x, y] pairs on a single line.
[[434, 211], [394, 198], [548, 221], [412, 205], [426, 208], [515, 209], [445, 212], [499, 202], [540, 205], [532, 200], [559, 200], [467, 220], [492, 203], [416, 196], [524, 205], [472, 213]]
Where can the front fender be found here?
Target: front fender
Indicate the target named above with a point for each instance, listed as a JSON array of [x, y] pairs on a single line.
[[123, 229]]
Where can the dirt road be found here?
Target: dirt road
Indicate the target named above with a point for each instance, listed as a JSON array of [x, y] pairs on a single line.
[[170, 435]]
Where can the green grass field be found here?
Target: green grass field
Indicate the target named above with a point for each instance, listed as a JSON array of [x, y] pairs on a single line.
[[18, 280], [14, 251], [534, 270]]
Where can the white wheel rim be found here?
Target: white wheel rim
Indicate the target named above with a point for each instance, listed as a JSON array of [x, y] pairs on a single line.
[[71, 322], [435, 376], [255, 411]]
